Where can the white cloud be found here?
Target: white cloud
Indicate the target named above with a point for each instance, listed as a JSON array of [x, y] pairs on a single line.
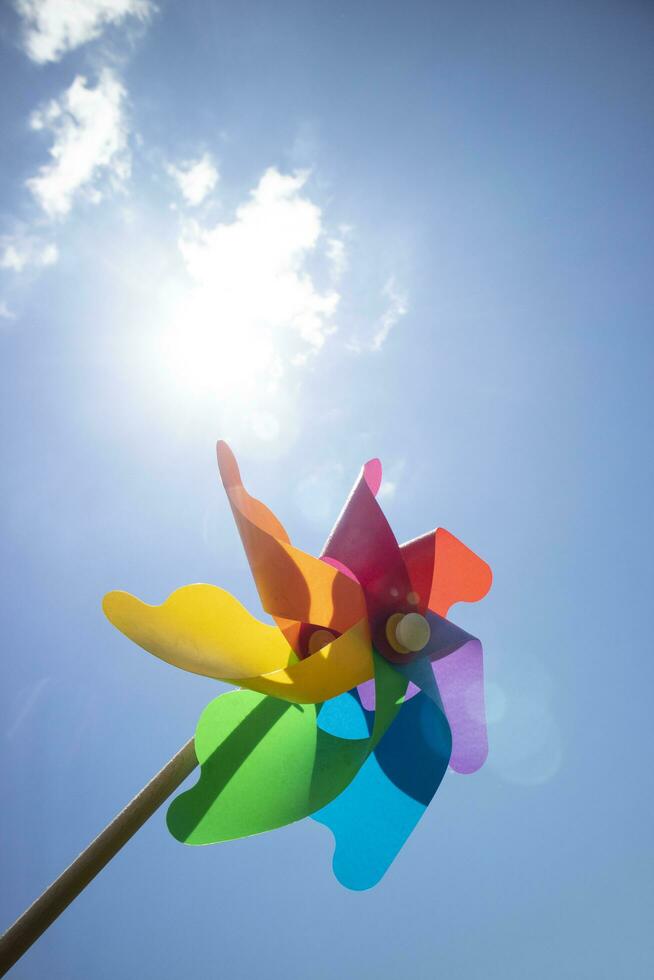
[[5, 312], [396, 301], [195, 178], [90, 142], [255, 268], [337, 256], [396, 309], [392, 478], [52, 27], [387, 490], [258, 304], [20, 251]]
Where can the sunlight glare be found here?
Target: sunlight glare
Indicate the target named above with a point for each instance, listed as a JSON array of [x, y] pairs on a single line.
[[226, 357]]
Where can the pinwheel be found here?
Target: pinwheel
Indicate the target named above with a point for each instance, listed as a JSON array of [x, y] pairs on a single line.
[[351, 707]]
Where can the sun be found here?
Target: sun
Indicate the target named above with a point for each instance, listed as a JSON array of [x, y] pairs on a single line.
[[212, 350], [219, 362]]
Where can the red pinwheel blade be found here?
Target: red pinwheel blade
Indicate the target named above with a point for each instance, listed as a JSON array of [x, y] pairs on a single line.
[[445, 571], [363, 542]]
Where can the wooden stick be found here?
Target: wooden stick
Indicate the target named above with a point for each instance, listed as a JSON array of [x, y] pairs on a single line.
[[42, 913]]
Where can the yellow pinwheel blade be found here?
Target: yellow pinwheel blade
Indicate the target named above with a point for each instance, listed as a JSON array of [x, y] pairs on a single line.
[[333, 670], [202, 629]]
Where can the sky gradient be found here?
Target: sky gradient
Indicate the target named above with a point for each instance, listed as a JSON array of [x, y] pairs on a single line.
[[327, 232]]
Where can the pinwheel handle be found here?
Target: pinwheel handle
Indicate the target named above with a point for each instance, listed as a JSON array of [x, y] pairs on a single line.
[[48, 906]]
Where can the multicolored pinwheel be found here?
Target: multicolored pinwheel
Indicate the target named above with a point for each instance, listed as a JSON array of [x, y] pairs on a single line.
[[351, 708]]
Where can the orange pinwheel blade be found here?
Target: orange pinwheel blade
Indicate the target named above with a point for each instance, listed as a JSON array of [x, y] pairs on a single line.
[[292, 585], [445, 570]]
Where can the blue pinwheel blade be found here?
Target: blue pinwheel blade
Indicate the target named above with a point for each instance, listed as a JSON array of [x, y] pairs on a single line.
[[372, 819]]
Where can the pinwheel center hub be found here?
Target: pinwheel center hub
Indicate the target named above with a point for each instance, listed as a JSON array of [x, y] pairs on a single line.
[[408, 632]]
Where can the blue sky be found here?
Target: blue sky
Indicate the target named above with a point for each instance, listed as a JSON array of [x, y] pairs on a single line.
[[328, 232]]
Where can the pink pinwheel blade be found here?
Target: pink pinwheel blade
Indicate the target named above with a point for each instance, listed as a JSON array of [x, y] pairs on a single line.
[[363, 542]]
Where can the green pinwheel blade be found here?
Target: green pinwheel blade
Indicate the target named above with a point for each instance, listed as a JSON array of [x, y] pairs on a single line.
[[265, 763]]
